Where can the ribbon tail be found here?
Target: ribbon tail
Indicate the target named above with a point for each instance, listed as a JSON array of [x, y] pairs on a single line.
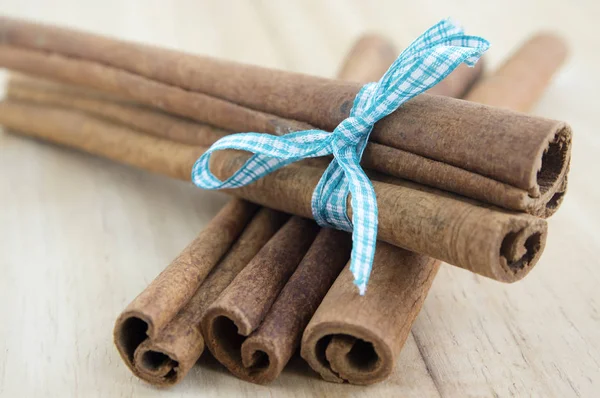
[[364, 219]]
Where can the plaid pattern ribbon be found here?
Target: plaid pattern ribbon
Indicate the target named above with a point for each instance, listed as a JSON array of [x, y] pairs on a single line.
[[428, 60]]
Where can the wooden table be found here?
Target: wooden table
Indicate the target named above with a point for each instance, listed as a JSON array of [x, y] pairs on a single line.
[[80, 236]]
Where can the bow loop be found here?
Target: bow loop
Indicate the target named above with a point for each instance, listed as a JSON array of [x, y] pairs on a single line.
[[428, 60]]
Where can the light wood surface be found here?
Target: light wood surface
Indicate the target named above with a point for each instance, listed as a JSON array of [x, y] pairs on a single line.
[[80, 236]]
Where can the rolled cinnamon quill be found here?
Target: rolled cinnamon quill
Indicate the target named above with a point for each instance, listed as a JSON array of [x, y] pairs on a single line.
[[518, 84], [149, 317], [146, 120], [357, 338], [242, 306], [499, 244], [437, 134], [266, 351], [38, 83]]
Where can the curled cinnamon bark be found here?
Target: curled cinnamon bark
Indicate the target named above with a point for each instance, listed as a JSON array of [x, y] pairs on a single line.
[[503, 146], [77, 130], [260, 354], [152, 312], [518, 84], [243, 305], [358, 338]]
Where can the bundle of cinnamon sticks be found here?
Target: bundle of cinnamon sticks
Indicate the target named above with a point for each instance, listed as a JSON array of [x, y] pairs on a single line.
[[466, 182]]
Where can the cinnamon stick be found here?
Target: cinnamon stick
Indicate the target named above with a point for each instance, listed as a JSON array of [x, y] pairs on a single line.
[[518, 84], [115, 142], [266, 351], [496, 144], [64, 88], [242, 306], [149, 121], [358, 339], [368, 59], [495, 243], [521, 80], [149, 315]]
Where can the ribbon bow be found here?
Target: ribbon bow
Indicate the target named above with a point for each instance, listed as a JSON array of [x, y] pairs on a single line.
[[429, 59]]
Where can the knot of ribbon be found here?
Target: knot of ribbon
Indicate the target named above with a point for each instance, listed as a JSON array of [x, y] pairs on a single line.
[[428, 60]]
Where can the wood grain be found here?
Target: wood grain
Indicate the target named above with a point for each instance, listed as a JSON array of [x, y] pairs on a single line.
[[80, 237]]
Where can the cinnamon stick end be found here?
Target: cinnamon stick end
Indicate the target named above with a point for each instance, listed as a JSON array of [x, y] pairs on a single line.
[[261, 361], [554, 161], [346, 352], [161, 360], [252, 360], [131, 329], [520, 250]]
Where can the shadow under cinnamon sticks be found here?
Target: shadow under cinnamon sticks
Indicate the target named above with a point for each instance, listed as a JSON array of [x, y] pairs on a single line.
[[491, 156]]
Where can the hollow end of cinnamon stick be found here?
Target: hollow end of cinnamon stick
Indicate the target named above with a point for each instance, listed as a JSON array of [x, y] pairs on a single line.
[[245, 304], [158, 365], [554, 161], [225, 333], [269, 348], [341, 351], [131, 329], [357, 339], [255, 360], [551, 206], [520, 250], [261, 360]]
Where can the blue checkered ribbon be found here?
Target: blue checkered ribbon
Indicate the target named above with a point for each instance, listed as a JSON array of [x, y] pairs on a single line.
[[429, 59]]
